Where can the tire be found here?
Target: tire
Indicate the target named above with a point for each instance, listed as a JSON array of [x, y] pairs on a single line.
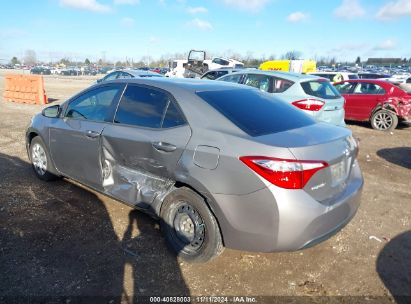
[[40, 160], [384, 120], [190, 229]]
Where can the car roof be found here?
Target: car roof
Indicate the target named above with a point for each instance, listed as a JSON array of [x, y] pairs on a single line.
[[287, 75], [225, 69], [376, 81], [186, 84]]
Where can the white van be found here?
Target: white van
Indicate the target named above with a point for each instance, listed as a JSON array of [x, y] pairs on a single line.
[[177, 68]]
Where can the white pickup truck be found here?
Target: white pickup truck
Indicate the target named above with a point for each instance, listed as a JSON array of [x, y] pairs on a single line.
[[196, 65]]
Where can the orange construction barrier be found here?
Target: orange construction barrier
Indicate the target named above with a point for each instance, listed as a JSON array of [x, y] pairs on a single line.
[[25, 89]]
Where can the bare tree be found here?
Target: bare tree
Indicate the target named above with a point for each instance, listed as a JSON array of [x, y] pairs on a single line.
[[292, 55], [14, 60], [30, 57]]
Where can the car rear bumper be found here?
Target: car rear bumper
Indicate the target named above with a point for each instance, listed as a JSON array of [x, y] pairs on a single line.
[[274, 219]]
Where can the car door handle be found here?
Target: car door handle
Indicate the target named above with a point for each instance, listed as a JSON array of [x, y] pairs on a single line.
[[163, 146], [92, 134]]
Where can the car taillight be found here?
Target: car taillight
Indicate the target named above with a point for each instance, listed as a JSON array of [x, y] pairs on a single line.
[[284, 173], [309, 104]]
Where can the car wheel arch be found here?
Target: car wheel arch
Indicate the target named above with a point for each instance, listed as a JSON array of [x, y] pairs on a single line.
[[383, 106], [30, 136], [207, 199]]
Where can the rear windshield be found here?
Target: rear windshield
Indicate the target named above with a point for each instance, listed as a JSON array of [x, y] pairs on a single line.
[[320, 88], [256, 113]]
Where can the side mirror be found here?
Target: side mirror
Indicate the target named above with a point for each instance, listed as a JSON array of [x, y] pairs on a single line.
[[52, 112], [99, 80]]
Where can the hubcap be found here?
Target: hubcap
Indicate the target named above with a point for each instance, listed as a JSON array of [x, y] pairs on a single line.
[[39, 159], [189, 226], [383, 121]]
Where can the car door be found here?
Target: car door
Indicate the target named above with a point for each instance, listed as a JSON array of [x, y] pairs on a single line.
[[75, 138], [346, 89], [364, 98], [142, 147]]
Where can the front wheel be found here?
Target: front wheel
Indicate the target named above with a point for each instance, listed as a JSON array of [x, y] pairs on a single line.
[[384, 120], [190, 228], [40, 160]]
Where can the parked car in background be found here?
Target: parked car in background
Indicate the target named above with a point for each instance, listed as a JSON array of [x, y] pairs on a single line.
[[40, 71], [103, 70], [220, 164], [336, 76], [214, 74], [218, 62], [164, 71], [71, 71], [88, 70], [379, 102], [370, 75], [129, 74], [314, 95], [400, 78]]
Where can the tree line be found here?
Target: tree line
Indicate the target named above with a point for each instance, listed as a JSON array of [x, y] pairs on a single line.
[[249, 59]]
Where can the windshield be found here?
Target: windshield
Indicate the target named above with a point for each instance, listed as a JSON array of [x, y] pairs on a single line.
[[320, 88], [255, 112]]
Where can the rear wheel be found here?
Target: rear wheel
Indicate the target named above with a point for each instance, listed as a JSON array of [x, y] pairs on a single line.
[[190, 228], [40, 160], [384, 120]]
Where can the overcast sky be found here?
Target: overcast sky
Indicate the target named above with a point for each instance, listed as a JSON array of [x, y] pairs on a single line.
[[118, 29]]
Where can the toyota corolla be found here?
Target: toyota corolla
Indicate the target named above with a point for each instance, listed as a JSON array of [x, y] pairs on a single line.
[[220, 164]]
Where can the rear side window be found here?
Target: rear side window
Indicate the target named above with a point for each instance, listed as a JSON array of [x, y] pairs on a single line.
[[141, 106], [321, 89], [150, 108], [369, 89], [281, 85], [254, 112], [173, 117], [345, 87]]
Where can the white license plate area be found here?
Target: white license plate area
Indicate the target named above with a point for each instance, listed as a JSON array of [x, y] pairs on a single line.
[[339, 171]]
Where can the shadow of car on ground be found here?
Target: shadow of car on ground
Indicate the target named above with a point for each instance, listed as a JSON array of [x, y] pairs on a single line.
[[58, 240], [393, 267]]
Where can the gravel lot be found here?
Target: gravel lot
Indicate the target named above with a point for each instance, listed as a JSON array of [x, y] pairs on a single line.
[[60, 239]]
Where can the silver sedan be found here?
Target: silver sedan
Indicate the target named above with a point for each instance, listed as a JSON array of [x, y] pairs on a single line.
[[218, 163]]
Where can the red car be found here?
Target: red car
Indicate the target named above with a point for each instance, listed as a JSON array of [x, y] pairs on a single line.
[[377, 101]]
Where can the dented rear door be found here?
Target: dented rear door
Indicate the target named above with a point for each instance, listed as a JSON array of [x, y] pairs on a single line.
[[141, 149]]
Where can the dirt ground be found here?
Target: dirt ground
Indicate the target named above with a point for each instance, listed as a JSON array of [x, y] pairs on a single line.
[[60, 239]]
